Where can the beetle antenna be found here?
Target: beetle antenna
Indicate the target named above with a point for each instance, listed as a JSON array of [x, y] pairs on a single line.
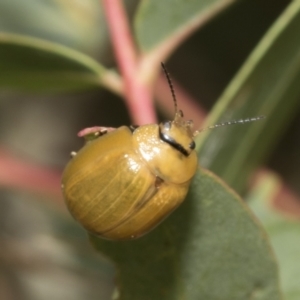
[[234, 122], [171, 87]]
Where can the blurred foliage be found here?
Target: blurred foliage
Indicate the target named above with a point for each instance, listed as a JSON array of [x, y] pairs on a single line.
[[267, 84], [283, 231], [59, 45]]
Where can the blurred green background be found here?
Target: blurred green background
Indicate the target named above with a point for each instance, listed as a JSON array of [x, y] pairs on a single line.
[[44, 255]]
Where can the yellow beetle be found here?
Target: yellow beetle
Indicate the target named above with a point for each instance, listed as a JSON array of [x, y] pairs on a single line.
[[125, 181]]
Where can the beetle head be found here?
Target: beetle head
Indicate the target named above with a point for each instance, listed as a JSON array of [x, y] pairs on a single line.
[[178, 133]]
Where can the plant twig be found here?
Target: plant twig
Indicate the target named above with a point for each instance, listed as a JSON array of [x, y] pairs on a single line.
[[17, 173], [138, 93]]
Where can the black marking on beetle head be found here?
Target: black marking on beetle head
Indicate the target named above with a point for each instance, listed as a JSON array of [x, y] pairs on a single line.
[[172, 142]]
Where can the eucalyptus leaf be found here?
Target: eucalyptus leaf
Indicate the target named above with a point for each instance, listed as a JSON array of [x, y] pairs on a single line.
[[156, 22], [210, 248], [37, 65], [267, 84], [77, 24], [283, 233]]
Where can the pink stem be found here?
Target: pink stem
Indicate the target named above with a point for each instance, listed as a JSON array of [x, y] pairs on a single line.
[[287, 201], [284, 199], [17, 173], [138, 94]]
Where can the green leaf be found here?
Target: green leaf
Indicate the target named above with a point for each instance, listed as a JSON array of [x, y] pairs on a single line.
[[158, 22], [284, 236], [210, 248], [267, 84], [37, 65], [77, 24]]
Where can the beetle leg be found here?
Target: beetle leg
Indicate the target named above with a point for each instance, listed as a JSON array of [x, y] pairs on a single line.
[[92, 133]]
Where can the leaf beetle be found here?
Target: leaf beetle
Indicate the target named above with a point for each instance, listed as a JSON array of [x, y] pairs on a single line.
[[125, 181]]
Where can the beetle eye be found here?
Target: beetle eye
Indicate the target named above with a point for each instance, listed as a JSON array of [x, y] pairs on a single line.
[[192, 145]]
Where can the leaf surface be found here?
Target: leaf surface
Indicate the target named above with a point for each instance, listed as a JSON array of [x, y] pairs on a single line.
[[37, 65], [210, 248], [162, 22], [283, 232]]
